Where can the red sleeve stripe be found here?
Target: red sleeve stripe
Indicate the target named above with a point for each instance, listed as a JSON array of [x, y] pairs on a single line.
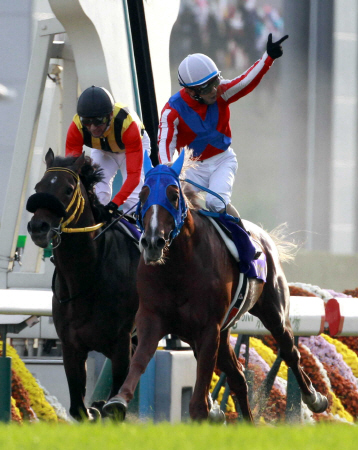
[[250, 87], [167, 135], [246, 82]]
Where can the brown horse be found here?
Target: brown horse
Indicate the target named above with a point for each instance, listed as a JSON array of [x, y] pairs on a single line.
[[94, 287], [186, 280]]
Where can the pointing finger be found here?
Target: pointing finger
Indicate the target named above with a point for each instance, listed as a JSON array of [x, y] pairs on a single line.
[[282, 39]]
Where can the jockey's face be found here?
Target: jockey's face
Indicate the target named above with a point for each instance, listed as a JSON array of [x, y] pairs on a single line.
[[210, 99], [96, 128], [207, 98]]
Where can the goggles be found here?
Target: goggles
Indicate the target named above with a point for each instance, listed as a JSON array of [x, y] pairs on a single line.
[[208, 87], [96, 121]]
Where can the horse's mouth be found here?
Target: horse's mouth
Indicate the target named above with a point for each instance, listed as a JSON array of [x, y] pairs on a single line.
[[153, 255], [41, 239], [41, 236], [153, 258]]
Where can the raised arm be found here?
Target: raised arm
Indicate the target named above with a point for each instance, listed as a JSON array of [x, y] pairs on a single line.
[[233, 90]]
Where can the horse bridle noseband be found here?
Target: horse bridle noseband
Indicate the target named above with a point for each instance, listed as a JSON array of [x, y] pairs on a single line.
[[77, 196]]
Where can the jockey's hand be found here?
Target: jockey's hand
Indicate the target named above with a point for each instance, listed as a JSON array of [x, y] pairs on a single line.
[[111, 211], [274, 49]]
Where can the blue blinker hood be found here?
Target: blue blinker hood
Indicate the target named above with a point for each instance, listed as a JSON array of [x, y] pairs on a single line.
[[157, 179]]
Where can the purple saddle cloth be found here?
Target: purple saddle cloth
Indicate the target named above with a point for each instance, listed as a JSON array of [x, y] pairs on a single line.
[[253, 268], [131, 227]]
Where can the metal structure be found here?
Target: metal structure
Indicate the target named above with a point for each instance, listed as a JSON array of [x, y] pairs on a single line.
[[76, 48], [71, 51], [14, 318]]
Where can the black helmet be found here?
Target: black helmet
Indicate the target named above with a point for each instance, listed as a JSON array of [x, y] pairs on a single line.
[[95, 102]]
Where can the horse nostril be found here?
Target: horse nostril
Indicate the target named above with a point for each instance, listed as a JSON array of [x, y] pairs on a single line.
[[38, 227], [160, 243], [45, 227], [144, 242]]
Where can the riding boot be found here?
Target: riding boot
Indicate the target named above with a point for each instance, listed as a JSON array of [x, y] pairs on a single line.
[[230, 209]]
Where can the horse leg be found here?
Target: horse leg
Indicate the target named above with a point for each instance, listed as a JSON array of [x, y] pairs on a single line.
[[149, 333], [315, 401], [120, 362], [75, 368], [120, 359], [272, 309], [206, 349], [230, 365]]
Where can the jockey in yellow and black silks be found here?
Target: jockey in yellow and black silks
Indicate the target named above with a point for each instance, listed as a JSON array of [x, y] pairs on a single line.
[[117, 139]]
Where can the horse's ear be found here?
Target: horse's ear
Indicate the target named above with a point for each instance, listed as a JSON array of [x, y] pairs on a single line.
[[79, 162], [50, 156], [178, 164], [147, 163]]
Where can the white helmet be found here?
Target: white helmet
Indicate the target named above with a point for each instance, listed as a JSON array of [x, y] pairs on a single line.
[[196, 69]]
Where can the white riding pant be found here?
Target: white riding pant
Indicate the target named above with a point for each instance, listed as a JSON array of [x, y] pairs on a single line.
[[111, 163], [217, 174]]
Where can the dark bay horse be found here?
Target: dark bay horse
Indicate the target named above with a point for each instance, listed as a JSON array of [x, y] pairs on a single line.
[[94, 287], [186, 280]]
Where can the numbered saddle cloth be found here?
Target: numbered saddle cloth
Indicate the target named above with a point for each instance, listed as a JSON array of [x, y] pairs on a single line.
[[243, 249]]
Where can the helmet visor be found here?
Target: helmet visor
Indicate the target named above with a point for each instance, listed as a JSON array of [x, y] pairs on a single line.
[[96, 121], [209, 86]]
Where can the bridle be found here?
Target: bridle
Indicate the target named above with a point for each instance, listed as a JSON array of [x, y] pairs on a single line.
[[163, 176], [79, 202]]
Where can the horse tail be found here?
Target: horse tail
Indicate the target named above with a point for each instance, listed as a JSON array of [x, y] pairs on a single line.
[[287, 249]]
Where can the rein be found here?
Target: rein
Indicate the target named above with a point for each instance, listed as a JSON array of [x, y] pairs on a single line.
[[79, 202]]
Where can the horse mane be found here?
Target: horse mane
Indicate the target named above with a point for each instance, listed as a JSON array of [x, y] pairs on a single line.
[[192, 197], [90, 174]]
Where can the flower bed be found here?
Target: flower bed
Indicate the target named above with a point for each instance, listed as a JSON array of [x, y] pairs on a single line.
[[28, 401], [330, 362]]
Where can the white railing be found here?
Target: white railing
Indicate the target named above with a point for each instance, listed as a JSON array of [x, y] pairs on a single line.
[[309, 316]]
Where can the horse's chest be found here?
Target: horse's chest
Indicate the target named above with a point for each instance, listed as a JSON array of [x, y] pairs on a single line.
[[85, 324]]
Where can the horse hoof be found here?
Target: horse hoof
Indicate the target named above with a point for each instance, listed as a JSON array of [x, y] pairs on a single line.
[[116, 409], [316, 402], [94, 414], [98, 405]]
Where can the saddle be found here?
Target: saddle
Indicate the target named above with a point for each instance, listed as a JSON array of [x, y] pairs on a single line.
[[127, 224], [250, 258], [240, 244]]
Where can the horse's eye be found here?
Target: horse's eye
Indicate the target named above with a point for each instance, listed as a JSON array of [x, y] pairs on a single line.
[[175, 202], [143, 195], [69, 190], [173, 196]]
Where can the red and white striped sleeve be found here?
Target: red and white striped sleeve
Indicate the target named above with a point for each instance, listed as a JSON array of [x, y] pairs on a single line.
[[167, 133], [232, 90]]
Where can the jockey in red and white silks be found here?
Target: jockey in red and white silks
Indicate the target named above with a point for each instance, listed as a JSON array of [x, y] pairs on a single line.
[[198, 116]]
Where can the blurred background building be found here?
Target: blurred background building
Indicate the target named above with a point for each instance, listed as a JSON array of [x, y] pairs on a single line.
[[295, 136]]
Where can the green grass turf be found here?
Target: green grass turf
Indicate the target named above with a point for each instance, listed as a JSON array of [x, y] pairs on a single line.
[[165, 436]]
